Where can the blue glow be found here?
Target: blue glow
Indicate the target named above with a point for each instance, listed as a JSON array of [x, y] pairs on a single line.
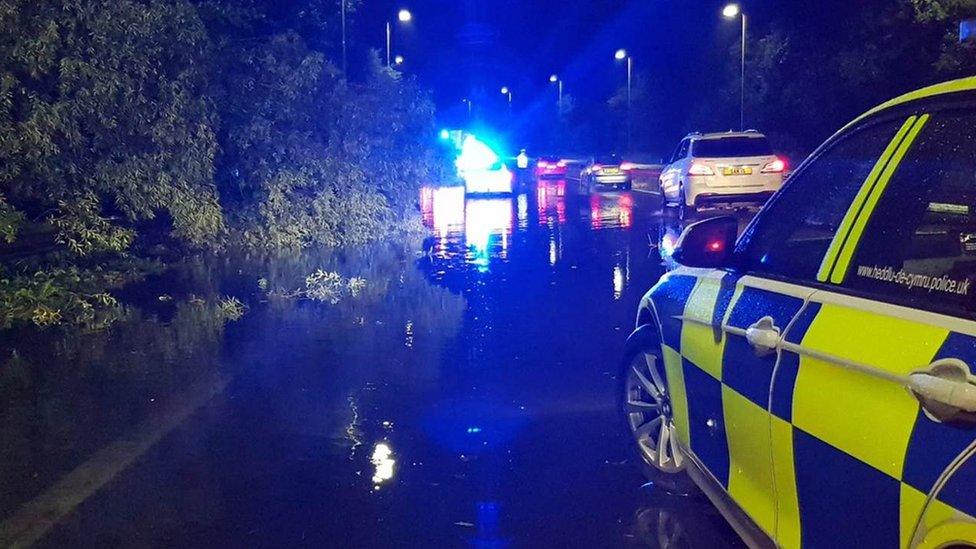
[[475, 155], [481, 168], [474, 430], [488, 227], [445, 135]]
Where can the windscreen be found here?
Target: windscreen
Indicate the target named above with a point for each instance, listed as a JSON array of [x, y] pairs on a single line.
[[727, 147]]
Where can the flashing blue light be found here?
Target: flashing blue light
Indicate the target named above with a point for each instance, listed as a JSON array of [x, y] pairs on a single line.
[[475, 155], [481, 168], [445, 135], [474, 430]]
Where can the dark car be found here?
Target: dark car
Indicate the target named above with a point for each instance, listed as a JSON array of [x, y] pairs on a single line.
[[606, 171]]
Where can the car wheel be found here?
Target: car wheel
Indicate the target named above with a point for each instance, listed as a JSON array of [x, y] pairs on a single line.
[[649, 419]]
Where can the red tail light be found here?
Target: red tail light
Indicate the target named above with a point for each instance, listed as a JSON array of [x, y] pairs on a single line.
[[543, 164], [627, 166], [776, 166], [561, 164], [596, 167], [698, 168]]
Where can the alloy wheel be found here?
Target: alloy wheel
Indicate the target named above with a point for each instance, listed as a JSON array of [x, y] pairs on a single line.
[[650, 415]]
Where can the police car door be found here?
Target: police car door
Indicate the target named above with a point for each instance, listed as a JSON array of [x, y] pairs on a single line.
[[881, 405], [777, 260]]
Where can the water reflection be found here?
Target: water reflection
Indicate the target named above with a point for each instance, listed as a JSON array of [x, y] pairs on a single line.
[[488, 228], [611, 210], [382, 460], [475, 232], [551, 202]]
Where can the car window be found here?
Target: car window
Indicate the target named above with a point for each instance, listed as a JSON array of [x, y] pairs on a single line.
[[919, 247], [683, 149], [730, 147], [792, 233]]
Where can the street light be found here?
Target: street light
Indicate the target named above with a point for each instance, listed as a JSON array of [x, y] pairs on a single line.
[[398, 60], [732, 11], [508, 92], [403, 16], [620, 55], [559, 85], [470, 105]]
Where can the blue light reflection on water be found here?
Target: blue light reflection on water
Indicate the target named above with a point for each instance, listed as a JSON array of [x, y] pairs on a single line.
[[479, 231]]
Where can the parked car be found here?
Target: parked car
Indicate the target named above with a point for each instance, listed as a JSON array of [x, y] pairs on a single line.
[[814, 375], [721, 168], [606, 171], [550, 166]]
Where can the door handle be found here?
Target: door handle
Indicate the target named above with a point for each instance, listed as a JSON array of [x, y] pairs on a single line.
[[946, 389], [764, 336]]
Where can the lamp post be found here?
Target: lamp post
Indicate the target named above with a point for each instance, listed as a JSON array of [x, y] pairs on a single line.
[[470, 106], [559, 87], [342, 10], [621, 55], [732, 11], [403, 16], [398, 60], [507, 92]]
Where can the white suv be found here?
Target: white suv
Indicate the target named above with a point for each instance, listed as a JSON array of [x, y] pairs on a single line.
[[732, 167]]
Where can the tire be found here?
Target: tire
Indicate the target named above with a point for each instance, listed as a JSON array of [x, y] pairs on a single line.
[[647, 416]]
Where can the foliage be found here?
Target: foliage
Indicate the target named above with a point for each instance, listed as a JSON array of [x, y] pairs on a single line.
[[84, 231], [107, 98], [10, 221], [57, 296], [944, 10], [956, 59]]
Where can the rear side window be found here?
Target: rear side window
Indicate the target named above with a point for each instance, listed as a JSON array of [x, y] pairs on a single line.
[[919, 247], [682, 151], [791, 235], [729, 147]]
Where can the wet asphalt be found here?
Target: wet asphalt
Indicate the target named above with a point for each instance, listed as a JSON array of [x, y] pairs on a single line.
[[473, 406]]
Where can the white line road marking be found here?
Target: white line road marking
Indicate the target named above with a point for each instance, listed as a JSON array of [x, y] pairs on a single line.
[[36, 518]]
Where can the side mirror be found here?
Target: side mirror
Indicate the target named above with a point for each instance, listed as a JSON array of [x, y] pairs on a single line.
[[707, 244]]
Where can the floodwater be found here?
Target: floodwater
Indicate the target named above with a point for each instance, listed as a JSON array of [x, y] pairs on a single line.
[[462, 394]]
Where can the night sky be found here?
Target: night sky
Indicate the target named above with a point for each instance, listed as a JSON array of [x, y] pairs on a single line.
[[470, 48]]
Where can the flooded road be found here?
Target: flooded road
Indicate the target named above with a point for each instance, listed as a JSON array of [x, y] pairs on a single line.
[[465, 396]]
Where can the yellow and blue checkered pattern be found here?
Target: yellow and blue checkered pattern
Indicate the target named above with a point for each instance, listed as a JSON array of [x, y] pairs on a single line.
[[816, 454]]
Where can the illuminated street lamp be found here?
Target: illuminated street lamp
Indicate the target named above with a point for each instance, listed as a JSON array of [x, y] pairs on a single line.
[[508, 92], [621, 55], [732, 11], [398, 60], [469, 104], [403, 16], [559, 85]]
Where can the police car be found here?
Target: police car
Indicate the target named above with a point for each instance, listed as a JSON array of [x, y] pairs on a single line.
[[814, 376]]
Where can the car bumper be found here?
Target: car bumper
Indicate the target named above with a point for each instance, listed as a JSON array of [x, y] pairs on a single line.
[[611, 179], [551, 174], [711, 198]]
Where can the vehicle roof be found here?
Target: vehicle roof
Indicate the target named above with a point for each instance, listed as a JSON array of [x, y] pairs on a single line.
[[720, 135]]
